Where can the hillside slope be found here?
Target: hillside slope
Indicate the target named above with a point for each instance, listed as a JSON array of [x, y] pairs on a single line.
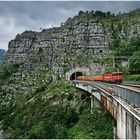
[[52, 110]]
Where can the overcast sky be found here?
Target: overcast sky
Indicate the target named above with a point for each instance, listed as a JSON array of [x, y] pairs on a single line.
[[16, 16]]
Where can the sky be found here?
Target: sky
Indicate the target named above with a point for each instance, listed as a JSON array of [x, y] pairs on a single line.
[[18, 16]]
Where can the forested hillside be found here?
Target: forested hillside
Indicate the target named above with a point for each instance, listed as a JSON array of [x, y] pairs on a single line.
[[54, 110]]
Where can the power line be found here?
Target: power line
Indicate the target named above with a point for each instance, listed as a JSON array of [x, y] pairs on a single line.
[[127, 57]]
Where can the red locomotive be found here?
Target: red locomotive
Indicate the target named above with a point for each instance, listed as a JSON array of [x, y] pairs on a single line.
[[114, 77]]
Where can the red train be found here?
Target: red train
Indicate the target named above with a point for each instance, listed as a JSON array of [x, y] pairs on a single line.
[[114, 77]]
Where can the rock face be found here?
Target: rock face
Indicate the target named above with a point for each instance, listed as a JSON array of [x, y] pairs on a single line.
[[84, 36], [76, 35]]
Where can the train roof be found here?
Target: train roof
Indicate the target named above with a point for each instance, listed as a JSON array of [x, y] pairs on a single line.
[[116, 72]]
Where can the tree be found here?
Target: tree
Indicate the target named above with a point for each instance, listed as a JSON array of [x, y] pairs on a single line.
[[108, 14], [99, 13], [42, 130], [80, 13], [135, 63], [40, 51]]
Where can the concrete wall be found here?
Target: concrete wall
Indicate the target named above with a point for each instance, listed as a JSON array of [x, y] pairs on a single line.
[[128, 125]]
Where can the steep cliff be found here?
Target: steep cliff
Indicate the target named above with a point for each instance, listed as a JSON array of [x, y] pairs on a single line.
[[77, 35], [76, 42]]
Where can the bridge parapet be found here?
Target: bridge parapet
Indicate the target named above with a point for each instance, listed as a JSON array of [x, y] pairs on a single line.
[[131, 96], [126, 116]]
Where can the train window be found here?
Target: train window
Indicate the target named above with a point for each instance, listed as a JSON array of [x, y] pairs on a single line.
[[117, 74]]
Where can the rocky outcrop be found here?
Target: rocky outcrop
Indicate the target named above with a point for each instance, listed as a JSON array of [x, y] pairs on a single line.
[[77, 36], [74, 43]]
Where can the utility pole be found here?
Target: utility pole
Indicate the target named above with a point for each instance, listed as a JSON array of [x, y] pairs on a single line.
[[113, 58], [128, 63], [92, 103], [75, 75]]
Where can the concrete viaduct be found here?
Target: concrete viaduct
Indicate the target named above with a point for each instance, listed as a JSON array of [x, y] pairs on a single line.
[[123, 106]]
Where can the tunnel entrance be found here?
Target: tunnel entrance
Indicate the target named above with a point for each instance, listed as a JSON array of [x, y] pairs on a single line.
[[75, 75]]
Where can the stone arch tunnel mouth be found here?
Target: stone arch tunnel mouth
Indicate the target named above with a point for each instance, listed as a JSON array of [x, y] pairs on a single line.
[[75, 75]]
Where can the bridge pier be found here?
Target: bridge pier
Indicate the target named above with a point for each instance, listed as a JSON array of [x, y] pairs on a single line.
[[128, 127], [121, 122]]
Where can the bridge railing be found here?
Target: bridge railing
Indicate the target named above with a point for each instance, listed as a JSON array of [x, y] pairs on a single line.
[[130, 95]]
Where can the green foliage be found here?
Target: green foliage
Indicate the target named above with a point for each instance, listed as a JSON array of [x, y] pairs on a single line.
[[93, 125], [114, 35], [49, 114], [80, 13], [41, 88], [131, 50], [132, 77], [7, 70], [127, 49], [40, 51], [135, 63], [99, 13], [42, 130]]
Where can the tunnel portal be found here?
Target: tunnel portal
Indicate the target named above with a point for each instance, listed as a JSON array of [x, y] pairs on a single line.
[[75, 75]]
